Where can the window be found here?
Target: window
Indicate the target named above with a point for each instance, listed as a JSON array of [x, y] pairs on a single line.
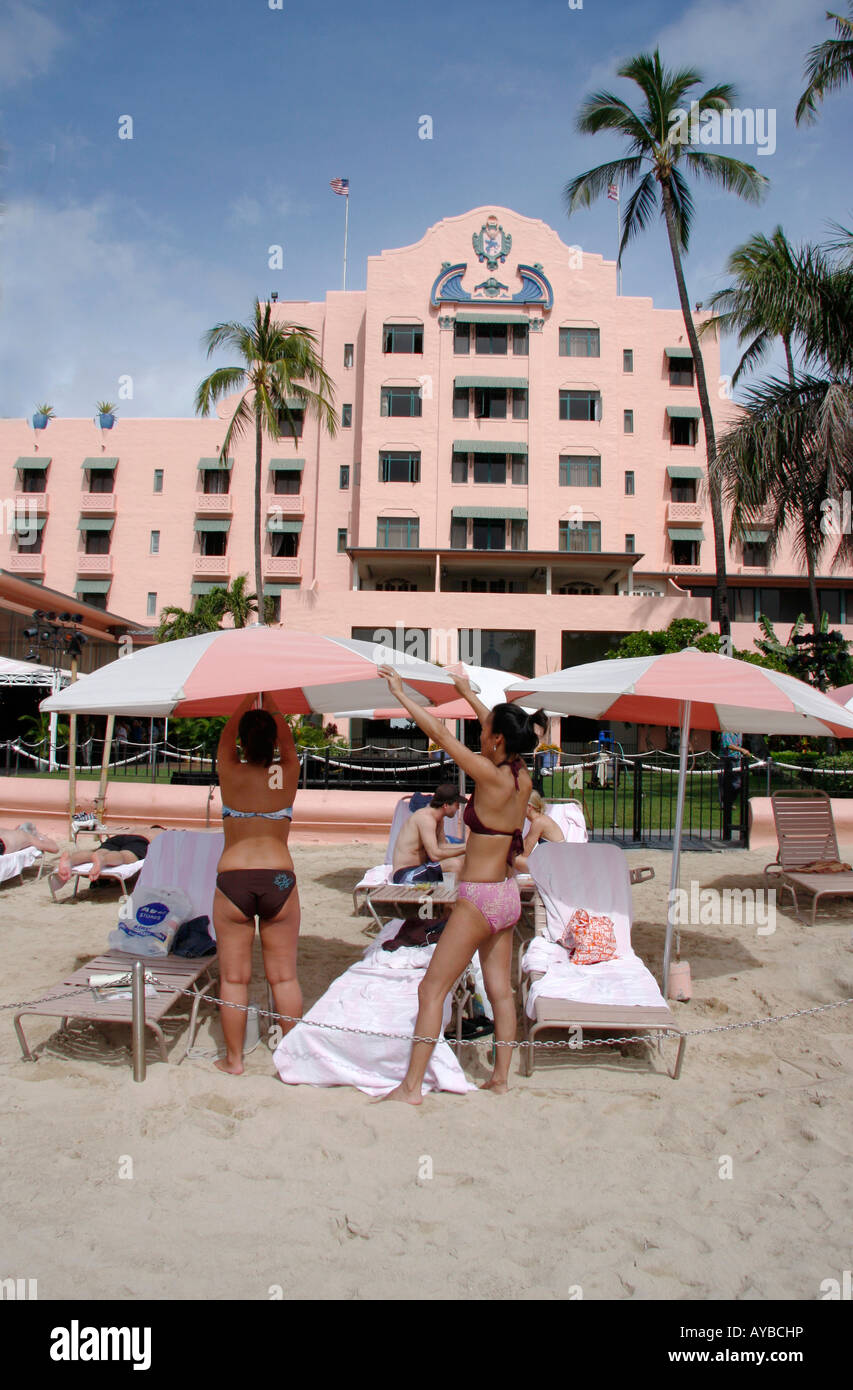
[[502, 651], [490, 468], [627, 422], [154, 543], [459, 468], [490, 339], [585, 539], [398, 532], [518, 535], [458, 533], [272, 608], [399, 468], [488, 535], [630, 543], [291, 423], [520, 338], [685, 552], [461, 402], [158, 482], [101, 479], [31, 546], [346, 417], [519, 468], [401, 400], [283, 544], [342, 539], [580, 405], [489, 403], [349, 355], [212, 542], [403, 337], [215, 480], [579, 471], [580, 342], [627, 359], [151, 606], [629, 483], [92, 599], [287, 484], [682, 432], [461, 338], [755, 553], [680, 371], [683, 489], [97, 542], [343, 476], [33, 480], [519, 403]]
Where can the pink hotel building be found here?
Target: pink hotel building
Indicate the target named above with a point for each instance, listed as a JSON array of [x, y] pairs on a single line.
[[518, 476]]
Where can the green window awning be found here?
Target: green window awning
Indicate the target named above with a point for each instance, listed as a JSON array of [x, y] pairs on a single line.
[[204, 586], [92, 586], [110, 464], [216, 463], [679, 352], [518, 383], [21, 524], [294, 402], [686, 533], [490, 513], [282, 526], [95, 523], [31, 465], [758, 536], [287, 465], [203, 524], [494, 446], [683, 412], [506, 317], [275, 590], [683, 470]]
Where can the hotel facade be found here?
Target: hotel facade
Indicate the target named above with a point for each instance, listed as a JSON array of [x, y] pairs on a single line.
[[518, 476]]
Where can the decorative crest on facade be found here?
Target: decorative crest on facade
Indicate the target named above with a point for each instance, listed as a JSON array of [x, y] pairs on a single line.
[[491, 243]]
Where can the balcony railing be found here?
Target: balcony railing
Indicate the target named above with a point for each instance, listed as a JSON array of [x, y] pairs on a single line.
[[26, 563], [673, 568], [94, 564], [214, 565], [282, 566], [102, 502], [31, 502], [289, 503], [219, 502], [684, 511]]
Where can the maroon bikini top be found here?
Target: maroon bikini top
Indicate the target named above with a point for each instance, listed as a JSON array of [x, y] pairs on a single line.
[[473, 822]]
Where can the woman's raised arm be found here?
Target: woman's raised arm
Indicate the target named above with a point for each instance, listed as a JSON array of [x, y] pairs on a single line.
[[474, 764]]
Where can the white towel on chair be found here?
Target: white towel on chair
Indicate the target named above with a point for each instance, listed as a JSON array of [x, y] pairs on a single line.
[[12, 864]]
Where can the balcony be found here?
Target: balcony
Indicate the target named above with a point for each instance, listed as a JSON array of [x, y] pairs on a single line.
[[102, 503], [26, 563], [214, 566], [286, 504], [673, 568], [29, 502], [684, 512], [94, 564], [282, 567], [219, 503]]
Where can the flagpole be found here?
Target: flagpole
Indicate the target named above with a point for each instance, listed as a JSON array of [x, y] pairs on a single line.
[[346, 234], [618, 241]]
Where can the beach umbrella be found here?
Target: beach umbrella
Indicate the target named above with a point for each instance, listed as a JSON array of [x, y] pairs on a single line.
[[842, 696], [211, 674], [488, 684], [693, 690]]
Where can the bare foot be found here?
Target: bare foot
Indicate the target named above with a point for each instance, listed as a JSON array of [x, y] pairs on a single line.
[[63, 868], [403, 1093], [95, 871], [500, 1088], [232, 1068]]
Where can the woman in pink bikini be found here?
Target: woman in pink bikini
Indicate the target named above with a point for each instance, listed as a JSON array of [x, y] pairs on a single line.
[[488, 903]]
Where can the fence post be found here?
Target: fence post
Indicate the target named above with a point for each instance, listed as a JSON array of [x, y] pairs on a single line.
[[638, 800], [726, 792], [769, 767], [326, 768], [744, 802]]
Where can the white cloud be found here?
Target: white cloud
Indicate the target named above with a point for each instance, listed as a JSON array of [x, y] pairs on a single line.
[[29, 42], [759, 47]]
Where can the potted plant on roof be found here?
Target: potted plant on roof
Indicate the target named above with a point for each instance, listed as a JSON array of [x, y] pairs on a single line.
[[43, 413], [106, 414]]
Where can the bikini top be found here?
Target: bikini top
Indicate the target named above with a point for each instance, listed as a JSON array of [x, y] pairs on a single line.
[[285, 814], [473, 822]]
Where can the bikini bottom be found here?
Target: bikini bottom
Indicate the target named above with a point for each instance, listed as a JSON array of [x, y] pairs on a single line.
[[257, 892], [500, 903]]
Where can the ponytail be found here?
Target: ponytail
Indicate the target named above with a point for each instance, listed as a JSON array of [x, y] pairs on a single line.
[[518, 728]]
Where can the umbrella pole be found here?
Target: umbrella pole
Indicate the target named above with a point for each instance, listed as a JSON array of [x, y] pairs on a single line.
[[100, 803], [676, 841]]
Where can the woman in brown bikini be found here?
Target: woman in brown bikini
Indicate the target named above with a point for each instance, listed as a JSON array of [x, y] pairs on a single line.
[[255, 875], [488, 903]]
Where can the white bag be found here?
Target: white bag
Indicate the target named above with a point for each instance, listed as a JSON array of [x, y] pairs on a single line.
[[148, 921]]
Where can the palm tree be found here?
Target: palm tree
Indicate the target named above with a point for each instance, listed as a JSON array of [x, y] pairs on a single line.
[[828, 66], [658, 156], [210, 609], [279, 364]]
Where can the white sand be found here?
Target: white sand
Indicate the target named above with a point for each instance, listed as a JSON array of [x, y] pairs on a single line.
[[602, 1174]]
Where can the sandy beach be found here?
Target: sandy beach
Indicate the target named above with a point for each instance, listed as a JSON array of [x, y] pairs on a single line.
[[600, 1175]]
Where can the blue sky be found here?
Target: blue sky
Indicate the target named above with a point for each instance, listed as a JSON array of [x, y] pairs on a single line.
[[118, 254]]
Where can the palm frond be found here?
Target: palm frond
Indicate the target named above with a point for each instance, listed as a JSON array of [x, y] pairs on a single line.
[[733, 175], [582, 191], [829, 66]]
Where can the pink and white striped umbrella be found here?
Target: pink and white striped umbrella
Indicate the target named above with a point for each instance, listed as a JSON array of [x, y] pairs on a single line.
[[488, 683], [212, 673], [842, 696]]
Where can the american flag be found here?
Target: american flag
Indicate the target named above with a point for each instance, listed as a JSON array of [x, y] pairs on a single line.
[[613, 192], [340, 186]]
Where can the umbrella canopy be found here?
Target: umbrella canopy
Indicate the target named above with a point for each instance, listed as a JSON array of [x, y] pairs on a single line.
[[487, 682], [25, 673], [210, 675], [842, 696], [694, 690]]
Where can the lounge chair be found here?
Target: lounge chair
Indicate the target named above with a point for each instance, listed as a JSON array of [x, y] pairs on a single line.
[[570, 817], [381, 873], [118, 873], [13, 865], [621, 994], [805, 830]]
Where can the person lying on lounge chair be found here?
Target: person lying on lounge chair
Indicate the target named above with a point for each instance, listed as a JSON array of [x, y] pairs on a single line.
[[541, 828], [421, 849], [115, 849], [25, 836]]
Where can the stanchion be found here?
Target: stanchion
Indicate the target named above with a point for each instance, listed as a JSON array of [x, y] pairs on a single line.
[[138, 1020]]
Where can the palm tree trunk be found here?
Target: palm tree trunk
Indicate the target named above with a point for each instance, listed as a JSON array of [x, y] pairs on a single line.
[[814, 601], [259, 578], [722, 592]]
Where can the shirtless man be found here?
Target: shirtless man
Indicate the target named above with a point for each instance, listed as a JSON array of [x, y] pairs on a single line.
[[114, 850], [25, 836], [421, 848]]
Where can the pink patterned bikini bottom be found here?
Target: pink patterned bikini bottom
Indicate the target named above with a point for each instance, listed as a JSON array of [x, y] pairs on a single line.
[[500, 903]]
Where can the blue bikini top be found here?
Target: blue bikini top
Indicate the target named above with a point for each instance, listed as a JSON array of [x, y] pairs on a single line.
[[285, 814]]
